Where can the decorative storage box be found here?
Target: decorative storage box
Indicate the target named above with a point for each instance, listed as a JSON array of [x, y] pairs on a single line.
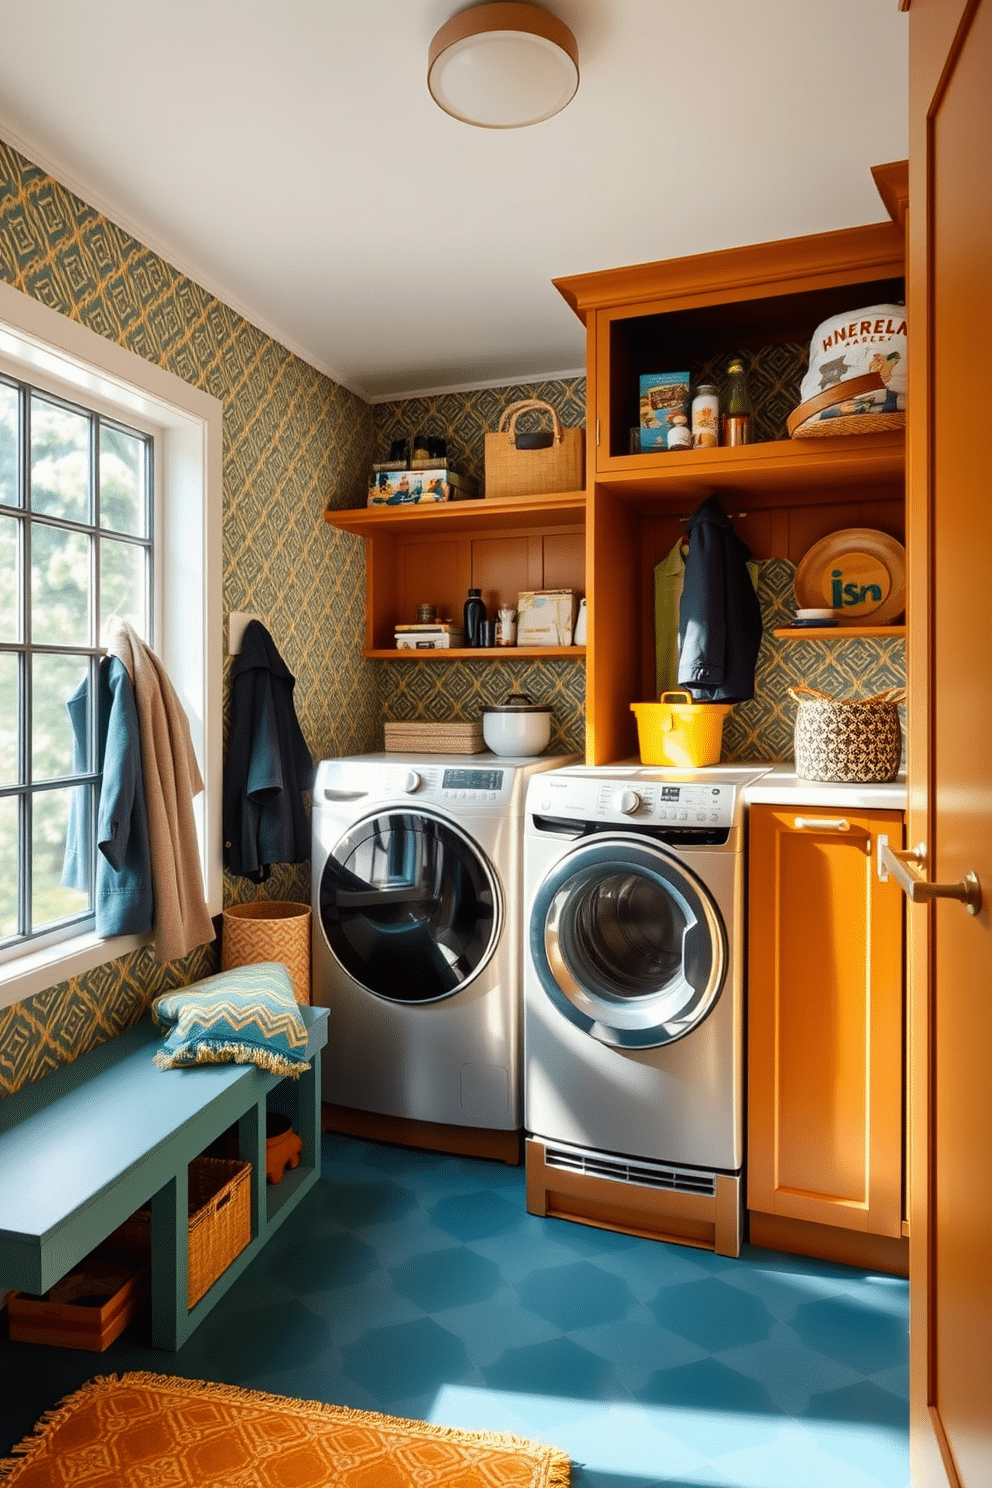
[[87, 1309], [420, 487], [664, 395], [422, 736], [219, 1221], [546, 617]]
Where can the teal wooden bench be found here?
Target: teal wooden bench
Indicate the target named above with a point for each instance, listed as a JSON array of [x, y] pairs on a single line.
[[90, 1143]]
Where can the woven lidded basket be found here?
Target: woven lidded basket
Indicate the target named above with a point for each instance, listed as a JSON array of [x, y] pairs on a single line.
[[853, 741]]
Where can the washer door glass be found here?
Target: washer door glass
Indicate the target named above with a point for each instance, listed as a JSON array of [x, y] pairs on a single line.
[[409, 906], [627, 943]]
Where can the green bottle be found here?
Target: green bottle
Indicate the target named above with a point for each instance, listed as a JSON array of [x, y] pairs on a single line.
[[736, 410]]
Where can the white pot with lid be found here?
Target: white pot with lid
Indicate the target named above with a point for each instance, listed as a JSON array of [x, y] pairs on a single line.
[[517, 726]]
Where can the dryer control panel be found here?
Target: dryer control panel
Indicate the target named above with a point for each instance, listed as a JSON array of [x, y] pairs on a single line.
[[490, 787]]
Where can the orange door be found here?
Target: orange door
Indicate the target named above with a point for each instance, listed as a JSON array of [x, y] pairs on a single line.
[[950, 661]]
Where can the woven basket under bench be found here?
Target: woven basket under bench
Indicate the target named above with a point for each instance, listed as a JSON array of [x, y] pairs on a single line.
[[219, 1221]]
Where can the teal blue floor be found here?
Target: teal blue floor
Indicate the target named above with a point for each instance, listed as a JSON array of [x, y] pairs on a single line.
[[416, 1283]]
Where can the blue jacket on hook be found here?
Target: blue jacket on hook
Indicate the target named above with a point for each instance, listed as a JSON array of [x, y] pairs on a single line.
[[719, 614], [123, 899], [268, 764]]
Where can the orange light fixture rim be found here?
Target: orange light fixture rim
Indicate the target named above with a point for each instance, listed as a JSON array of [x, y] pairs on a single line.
[[481, 20]]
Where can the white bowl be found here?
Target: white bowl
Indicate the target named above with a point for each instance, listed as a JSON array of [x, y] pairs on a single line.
[[816, 614], [517, 727]]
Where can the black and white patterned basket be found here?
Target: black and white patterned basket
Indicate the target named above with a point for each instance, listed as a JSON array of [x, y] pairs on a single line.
[[854, 741]]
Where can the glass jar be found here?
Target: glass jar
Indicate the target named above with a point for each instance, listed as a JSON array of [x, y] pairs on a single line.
[[706, 417]]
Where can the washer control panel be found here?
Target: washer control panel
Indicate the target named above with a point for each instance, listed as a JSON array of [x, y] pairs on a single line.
[[687, 804]]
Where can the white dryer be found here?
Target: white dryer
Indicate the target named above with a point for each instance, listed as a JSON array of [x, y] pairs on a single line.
[[417, 879], [634, 998]]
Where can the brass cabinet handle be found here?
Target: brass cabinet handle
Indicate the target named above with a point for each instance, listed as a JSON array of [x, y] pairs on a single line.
[[822, 824], [908, 868]]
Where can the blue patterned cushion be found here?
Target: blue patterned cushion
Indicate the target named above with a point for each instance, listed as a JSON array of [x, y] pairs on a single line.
[[247, 1015]]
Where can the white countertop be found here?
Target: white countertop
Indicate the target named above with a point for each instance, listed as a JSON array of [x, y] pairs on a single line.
[[781, 786]]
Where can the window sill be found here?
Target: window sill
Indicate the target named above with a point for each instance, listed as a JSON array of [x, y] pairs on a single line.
[[37, 971]]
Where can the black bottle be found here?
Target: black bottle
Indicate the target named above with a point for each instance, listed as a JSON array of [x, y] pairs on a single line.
[[475, 612]]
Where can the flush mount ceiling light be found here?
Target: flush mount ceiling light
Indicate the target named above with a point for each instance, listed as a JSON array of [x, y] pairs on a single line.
[[503, 66]]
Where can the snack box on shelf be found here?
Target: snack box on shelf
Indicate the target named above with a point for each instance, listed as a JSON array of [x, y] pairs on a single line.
[[420, 486]]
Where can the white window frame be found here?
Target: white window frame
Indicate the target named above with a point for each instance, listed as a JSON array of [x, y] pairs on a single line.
[[37, 341]]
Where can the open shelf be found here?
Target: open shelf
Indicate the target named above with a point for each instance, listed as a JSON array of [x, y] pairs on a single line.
[[759, 473], [433, 554], [837, 632], [501, 514], [479, 653]]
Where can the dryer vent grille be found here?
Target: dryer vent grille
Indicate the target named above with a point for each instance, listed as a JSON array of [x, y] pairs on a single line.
[[622, 1170]]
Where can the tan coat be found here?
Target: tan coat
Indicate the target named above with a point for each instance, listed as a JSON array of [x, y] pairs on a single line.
[[172, 778]]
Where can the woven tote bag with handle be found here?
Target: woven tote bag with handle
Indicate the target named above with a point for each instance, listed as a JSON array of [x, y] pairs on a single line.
[[854, 741], [536, 463]]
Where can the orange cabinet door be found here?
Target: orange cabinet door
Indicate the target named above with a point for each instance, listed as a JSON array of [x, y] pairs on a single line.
[[825, 1021]]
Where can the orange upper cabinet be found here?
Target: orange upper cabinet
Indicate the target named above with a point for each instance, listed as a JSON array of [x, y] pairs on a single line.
[[682, 314], [825, 1036], [689, 315]]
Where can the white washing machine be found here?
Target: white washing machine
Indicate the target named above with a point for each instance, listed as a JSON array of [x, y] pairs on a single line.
[[417, 878], [634, 998]]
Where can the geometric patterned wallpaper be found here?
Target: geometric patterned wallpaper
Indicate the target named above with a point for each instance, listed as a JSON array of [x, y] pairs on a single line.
[[294, 443]]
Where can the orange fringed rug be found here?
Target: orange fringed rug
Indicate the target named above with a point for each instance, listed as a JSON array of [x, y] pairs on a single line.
[[122, 1431]]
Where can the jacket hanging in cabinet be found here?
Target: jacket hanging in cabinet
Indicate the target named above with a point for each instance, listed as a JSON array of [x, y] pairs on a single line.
[[268, 764], [719, 614]]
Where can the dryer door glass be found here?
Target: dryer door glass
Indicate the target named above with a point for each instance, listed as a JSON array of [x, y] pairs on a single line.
[[628, 944], [409, 906]]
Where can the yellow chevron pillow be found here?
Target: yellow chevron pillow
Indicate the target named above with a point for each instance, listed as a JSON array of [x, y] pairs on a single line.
[[247, 1015]]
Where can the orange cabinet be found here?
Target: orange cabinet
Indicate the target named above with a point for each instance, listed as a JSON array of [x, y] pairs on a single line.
[[825, 1037]]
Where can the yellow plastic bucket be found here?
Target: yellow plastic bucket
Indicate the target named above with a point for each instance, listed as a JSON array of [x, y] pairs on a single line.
[[680, 733]]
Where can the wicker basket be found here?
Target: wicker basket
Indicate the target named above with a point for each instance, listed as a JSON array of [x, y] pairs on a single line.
[[219, 1219], [852, 423], [421, 736], [269, 930], [512, 470], [219, 1222], [853, 741]]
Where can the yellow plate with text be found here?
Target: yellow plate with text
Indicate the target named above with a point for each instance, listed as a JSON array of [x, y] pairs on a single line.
[[859, 573]]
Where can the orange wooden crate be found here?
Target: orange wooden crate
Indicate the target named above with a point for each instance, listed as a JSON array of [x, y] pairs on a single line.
[[61, 1318]]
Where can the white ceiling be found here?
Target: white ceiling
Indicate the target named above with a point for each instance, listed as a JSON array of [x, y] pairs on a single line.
[[287, 155]]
